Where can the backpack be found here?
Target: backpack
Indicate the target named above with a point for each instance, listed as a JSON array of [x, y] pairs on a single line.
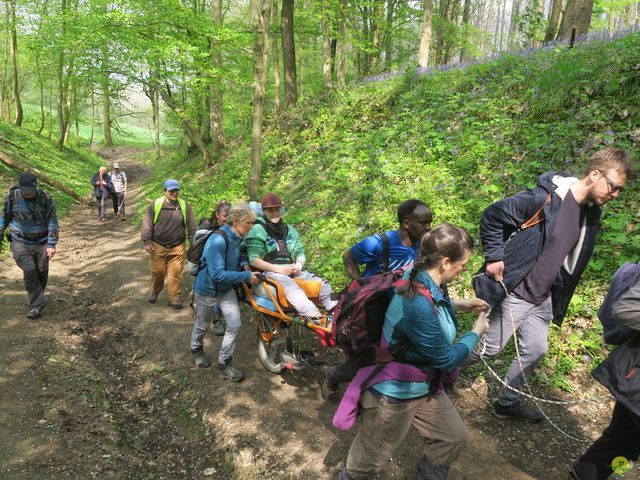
[[359, 316], [624, 278], [194, 252]]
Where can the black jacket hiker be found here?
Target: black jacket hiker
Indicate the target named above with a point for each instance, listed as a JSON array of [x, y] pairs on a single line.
[[505, 236], [620, 373]]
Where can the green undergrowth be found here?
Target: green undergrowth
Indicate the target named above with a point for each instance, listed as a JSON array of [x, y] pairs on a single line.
[[73, 167], [459, 139]]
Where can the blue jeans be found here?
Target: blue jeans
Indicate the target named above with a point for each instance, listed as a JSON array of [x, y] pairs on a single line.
[[102, 203], [204, 308]]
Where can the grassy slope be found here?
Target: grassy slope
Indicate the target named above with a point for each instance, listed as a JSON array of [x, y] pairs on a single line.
[[458, 139], [72, 167]]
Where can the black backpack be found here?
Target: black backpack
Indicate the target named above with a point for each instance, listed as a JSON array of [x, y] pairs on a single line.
[[359, 316], [194, 252]]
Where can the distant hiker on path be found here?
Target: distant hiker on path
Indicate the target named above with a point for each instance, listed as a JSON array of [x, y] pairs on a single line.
[[101, 182], [167, 226], [391, 398], [30, 214], [119, 190], [538, 242], [214, 286]]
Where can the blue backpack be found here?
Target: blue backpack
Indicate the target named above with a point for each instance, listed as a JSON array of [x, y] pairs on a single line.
[[624, 278]]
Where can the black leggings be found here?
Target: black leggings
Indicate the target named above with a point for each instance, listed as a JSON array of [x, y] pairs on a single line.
[[620, 439]]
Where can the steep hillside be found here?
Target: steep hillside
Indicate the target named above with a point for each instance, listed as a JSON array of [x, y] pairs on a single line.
[[459, 138], [72, 167]]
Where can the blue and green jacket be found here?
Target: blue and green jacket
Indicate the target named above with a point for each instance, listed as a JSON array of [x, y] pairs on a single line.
[[428, 335]]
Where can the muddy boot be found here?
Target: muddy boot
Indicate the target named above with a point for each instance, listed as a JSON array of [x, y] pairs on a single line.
[[227, 372], [199, 359], [425, 470], [344, 475], [329, 389]]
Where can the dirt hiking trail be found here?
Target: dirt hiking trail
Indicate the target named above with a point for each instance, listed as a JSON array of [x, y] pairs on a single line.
[[102, 385]]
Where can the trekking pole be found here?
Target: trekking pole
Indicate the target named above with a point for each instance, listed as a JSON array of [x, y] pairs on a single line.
[[120, 206]]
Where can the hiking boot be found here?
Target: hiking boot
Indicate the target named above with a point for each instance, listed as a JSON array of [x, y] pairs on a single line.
[[517, 411], [344, 475], [33, 313], [229, 373], [218, 329], [122, 217], [175, 305], [328, 389], [199, 359], [425, 470], [153, 296]]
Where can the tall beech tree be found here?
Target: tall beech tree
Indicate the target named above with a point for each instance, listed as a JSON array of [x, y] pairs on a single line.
[[288, 55]]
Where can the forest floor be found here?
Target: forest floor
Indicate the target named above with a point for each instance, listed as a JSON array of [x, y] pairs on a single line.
[[102, 386]]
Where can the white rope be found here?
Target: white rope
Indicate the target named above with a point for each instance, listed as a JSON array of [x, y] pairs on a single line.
[[536, 400]]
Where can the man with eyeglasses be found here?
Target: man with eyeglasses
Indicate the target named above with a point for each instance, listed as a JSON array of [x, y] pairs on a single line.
[[167, 226], [537, 244]]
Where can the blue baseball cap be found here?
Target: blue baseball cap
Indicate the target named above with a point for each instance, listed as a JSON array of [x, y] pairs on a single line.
[[172, 184]]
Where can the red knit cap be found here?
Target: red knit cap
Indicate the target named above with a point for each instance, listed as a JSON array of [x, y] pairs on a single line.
[[271, 200]]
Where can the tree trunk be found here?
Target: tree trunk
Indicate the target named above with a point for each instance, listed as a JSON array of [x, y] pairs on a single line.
[[260, 15], [275, 53], [156, 119], [388, 33], [5, 68], [106, 108], [449, 43], [93, 117], [288, 55], [41, 90], [216, 89], [577, 15], [553, 21], [466, 25], [11, 5], [443, 10], [7, 160], [326, 48], [192, 133], [340, 48], [425, 37], [62, 117], [377, 15], [513, 23]]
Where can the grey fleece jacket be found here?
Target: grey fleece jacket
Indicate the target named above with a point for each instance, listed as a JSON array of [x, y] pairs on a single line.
[[627, 309]]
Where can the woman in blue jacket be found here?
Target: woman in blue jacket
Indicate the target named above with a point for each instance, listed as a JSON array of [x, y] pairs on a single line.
[[424, 321], [220, 265]]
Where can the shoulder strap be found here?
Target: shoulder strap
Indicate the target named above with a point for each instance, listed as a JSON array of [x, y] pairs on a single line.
[[157, 206], [537, 217], [385, 252], [223, 234]]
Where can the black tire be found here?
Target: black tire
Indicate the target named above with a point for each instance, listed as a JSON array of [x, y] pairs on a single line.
[[270, 353]]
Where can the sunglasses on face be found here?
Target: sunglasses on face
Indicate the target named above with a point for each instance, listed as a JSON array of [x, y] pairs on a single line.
[[613, 186]]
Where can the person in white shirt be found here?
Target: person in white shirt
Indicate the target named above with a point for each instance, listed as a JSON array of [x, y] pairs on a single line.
[[119, 181]]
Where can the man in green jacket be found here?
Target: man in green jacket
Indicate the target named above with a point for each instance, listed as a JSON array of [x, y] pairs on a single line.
[[274, 247]]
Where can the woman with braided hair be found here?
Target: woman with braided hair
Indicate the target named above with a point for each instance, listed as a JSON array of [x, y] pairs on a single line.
[[409, 392]]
